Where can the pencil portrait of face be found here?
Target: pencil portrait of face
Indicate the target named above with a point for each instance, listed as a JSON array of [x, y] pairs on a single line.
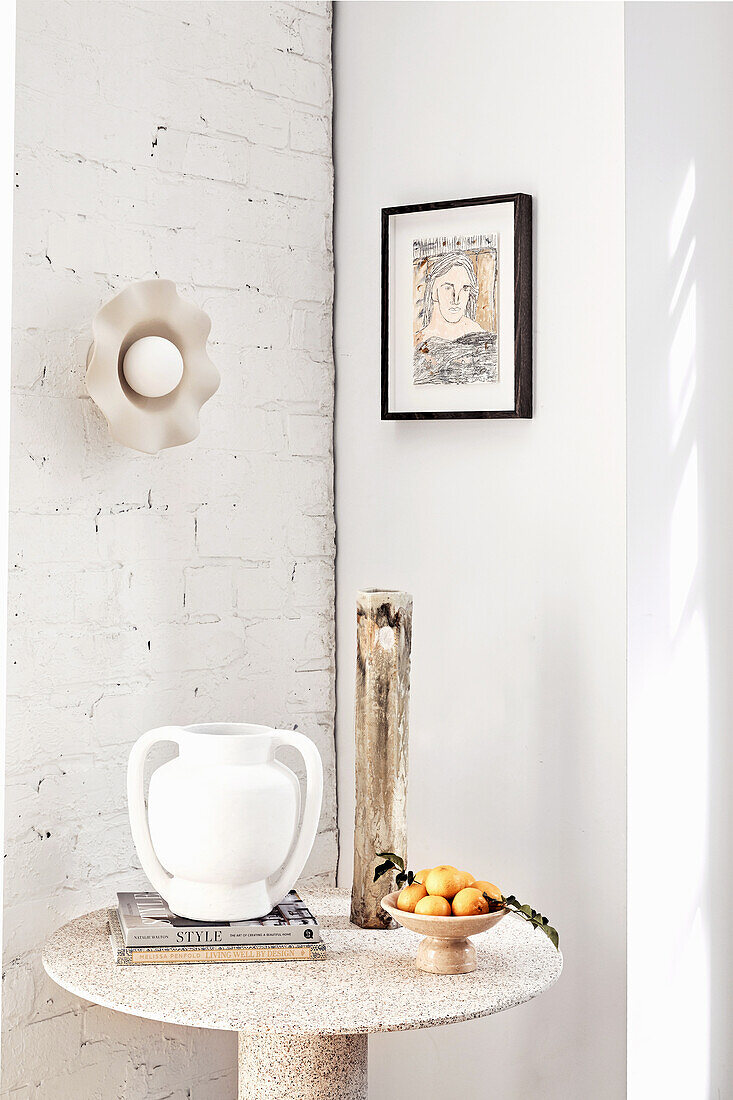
[[451, 292], [455, 331]]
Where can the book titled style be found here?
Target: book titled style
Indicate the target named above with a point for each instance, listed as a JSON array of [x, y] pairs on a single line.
[[146, 921], [264, 952]]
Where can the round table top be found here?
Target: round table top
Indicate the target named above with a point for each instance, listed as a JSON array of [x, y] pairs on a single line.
[[367, 982]]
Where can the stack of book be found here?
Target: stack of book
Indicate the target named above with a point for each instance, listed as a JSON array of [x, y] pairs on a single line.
[[142, 929]]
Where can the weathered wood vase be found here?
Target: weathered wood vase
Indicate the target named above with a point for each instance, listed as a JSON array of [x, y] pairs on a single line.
[[383, 644]]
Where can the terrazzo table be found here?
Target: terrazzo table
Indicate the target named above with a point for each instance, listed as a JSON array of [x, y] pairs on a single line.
[[303, 1027]]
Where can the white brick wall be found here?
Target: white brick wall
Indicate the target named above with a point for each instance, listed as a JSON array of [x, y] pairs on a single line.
[[193, 141]]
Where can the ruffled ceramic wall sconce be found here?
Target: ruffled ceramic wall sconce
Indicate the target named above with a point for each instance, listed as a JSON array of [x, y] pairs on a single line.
[[147, 369]]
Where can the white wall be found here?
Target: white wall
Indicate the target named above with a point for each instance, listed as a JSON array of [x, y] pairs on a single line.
[[193, 141], [7, 100], [510, 535], [679, 105]]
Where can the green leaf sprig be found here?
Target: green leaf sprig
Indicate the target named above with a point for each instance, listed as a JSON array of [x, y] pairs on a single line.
[[533, 917], [393, 862]]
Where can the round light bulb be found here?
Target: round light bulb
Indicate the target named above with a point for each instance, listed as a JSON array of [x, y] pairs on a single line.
[[153, 366]]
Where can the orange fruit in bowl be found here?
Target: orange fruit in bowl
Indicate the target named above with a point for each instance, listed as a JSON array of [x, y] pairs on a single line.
[[445, 881], [487, 888], [410, 896], [433, 906], [422, 875], [469, 878], [468, 902]]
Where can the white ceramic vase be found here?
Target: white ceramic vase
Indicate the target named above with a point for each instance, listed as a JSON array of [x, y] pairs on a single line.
[[220, 840]]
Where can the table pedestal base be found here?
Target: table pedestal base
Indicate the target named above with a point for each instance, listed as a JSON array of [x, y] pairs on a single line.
[[280, 1067]]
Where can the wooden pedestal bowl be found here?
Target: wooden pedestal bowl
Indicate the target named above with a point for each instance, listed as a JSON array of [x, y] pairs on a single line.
[[445, 948]]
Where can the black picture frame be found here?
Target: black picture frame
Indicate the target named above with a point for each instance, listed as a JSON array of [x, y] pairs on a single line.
[[522, 309]]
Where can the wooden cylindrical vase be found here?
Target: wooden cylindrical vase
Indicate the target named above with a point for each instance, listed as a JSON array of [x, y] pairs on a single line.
[[383, 643]]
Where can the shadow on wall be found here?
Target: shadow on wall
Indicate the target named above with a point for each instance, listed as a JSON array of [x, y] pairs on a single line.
[[681, 544]]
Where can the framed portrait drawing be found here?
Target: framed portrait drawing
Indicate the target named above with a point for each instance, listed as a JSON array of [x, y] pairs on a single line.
[[457, 309]]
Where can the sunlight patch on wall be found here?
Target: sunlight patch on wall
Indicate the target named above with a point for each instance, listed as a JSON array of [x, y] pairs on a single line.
[[682, 210], [685, 788]]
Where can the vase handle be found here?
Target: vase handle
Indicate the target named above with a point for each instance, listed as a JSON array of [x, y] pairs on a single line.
[[151, 865], [294, 864]]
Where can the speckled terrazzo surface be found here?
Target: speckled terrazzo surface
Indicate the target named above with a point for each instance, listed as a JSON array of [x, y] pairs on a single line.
[[368, 981]]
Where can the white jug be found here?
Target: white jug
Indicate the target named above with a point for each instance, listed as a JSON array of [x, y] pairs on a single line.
[[221, 841]]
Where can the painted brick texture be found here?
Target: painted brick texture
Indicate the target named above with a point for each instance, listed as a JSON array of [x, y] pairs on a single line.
[[190, 141]]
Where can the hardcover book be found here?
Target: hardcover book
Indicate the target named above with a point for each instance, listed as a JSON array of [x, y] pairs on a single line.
[[146, 921], [269, 952]]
